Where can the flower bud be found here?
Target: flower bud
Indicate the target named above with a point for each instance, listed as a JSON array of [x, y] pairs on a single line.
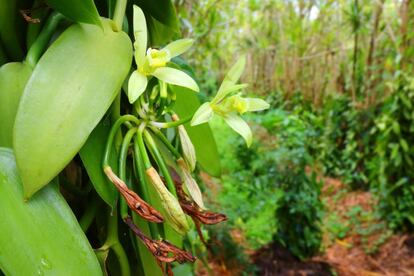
[[190, 183], [173, 212], [187, 147]]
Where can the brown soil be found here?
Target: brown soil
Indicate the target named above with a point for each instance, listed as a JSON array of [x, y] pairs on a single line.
[[393, 255], [276, 260]]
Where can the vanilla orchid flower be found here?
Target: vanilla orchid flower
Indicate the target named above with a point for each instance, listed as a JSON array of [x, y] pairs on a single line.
[[229, 104], [153, 62]]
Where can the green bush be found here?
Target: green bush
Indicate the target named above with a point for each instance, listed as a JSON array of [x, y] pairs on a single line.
[[299, 210], [266, 190], [392, 171], [347, 143]]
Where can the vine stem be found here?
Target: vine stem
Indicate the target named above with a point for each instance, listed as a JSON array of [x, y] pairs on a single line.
[[160, 161], [119, 14], [171, 124], [112, 242], [36, 50], [165, 141], [125, 119], [122, 167]]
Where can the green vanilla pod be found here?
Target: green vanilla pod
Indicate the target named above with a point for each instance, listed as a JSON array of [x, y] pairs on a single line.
[[42, 236], [70, 90]]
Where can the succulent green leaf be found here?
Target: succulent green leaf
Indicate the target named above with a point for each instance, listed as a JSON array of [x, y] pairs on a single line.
[[176, 77], [179, 46], [42, 236], [136, 85], [67, 95], [158, 33], [13, 79], [231, 78], [239, 126], [203, 114], [77, 10], [92, 154], [202, 137], [161, 10]]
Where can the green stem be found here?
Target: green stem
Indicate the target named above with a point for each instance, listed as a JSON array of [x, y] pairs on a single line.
[[122, 258], [43, 39], [113, 242], [139, 164], [33, 29], [122, 166], [165, 141], [122, 120], [119, 13], [171, 124], [160, 161], [115, 115], [163, 97], [142, 150]]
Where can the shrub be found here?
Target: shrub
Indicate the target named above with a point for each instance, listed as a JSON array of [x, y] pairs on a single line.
[[392, 170]]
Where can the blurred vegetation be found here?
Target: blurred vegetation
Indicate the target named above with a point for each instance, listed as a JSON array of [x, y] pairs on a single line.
[[339, 77]]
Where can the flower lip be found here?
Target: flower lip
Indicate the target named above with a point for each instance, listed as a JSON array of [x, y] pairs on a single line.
[[157, 58]]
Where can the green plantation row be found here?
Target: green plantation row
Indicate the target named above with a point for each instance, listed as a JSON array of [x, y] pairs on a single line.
[[271, 191]]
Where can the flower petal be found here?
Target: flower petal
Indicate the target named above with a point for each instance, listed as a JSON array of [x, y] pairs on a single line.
[[256, 104], [187, 148], [176, 77], [230, 89], [179, 46], [240, 126], [140, 34], [231, 78], [203, 114], [136, 85]]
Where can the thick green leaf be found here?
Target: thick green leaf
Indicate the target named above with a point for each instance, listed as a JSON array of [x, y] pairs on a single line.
[[77, 10], [13, 79], [161, 10], [92, 155], [67, 95], [202, 137], [42, 236], [158, 33]]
